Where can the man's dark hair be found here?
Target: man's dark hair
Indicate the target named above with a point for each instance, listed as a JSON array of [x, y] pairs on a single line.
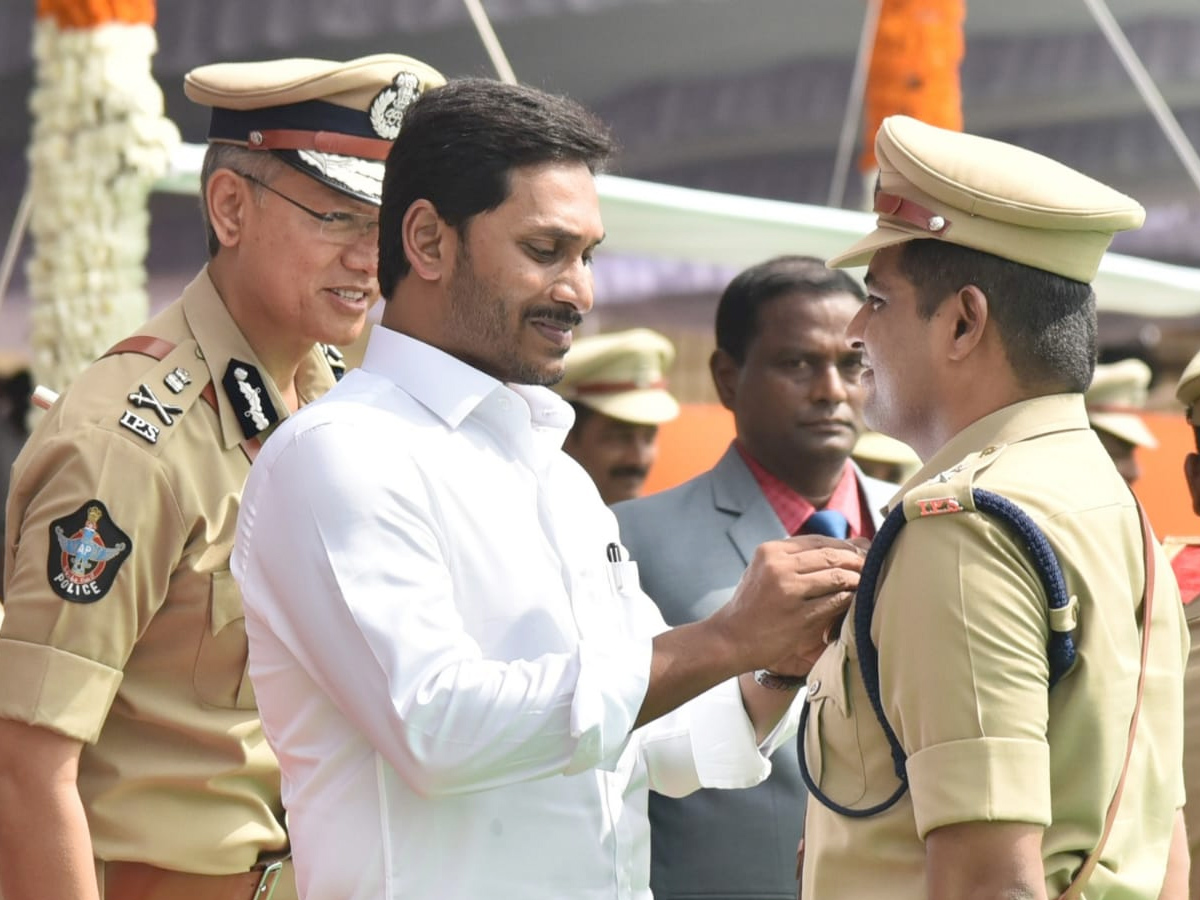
[[1047, 323], [459, 143], [737, 310]]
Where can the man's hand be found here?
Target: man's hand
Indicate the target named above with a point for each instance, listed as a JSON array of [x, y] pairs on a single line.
[[789, 599]]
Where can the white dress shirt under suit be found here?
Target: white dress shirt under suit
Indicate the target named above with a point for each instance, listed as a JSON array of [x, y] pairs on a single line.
[[446, 662]]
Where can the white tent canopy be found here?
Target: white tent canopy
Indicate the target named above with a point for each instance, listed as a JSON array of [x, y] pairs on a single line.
[[648, 219], [658, 221]]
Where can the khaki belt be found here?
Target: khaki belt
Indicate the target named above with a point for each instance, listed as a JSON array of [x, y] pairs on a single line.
[[273, 880]]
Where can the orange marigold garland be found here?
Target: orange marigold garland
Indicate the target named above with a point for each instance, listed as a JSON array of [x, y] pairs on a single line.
[[99, 142], [914, 67], [90, 13]]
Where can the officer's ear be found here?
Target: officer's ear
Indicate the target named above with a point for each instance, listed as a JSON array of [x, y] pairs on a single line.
[[1191, 472], [227, 194], [428, 241], [724, 369], [968, 315]]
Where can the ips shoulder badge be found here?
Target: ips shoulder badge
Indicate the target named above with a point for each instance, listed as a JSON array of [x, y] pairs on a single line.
[[86, 551]]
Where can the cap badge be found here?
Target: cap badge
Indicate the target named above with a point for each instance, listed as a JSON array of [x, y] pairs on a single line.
[[387, 109]]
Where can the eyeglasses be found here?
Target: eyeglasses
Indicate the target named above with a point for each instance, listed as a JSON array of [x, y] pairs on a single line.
[[338, 227]]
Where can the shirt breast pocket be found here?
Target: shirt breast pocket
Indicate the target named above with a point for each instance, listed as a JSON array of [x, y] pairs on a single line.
[[221, 678], [831, 740]]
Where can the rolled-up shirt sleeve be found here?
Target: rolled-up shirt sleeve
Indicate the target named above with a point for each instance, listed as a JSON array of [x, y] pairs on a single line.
[[976, 642]]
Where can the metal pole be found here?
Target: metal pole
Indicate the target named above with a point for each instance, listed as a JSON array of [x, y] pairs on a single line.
[[854, 105], [13, 246], [490, 42], [1146, 87]]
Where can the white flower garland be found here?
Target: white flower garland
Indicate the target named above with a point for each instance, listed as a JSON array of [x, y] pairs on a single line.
[[99, 142]]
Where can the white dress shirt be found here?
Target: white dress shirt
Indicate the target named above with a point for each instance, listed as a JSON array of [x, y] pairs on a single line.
[[446, 662]]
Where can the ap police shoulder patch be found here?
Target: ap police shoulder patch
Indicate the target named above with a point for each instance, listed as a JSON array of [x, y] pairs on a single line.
[[87, 548]]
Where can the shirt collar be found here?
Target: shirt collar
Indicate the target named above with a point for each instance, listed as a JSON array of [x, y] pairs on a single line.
[[1017, 422], [220, 342], [794, 509], [452, 389]]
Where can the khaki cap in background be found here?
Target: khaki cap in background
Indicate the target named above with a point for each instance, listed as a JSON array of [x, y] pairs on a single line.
[[334, 121], [622, 374], [991, 196], [1188, 390], [1117, 393], [878, 447]]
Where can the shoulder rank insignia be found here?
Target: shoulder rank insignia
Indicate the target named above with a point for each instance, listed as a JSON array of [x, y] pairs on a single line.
[[249, 395], [139, 426], [143, 398], [86, 550], [336, 360], [177, 379]]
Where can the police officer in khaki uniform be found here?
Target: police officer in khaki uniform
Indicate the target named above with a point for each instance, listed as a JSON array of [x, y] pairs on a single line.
[[1184, 553], [979, 339], [1114, 402], [617, 384], [132, 760]]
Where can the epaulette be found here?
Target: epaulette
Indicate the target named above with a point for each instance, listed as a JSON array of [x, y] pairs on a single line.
[[950, 491], [336, 359], [163, 394]]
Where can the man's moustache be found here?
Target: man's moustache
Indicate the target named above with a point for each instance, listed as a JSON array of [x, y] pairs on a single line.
[[569, 317], [629, 472]]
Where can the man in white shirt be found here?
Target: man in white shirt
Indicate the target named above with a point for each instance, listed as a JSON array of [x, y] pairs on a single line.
[[469, 693]]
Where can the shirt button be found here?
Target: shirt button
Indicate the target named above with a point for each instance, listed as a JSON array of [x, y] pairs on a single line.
[[987, 451], [813, 687]]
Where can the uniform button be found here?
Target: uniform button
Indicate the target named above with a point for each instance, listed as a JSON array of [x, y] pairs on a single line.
[[987, 451], [813, 687]]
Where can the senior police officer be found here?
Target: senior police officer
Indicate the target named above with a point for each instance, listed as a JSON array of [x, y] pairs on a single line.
[[979, 339], [1184, 553], [1114, 400], [617, 385], [132, 759]]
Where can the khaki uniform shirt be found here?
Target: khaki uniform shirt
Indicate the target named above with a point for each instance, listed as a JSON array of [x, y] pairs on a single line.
[[123, 626], [1183, 553], [961, 626]]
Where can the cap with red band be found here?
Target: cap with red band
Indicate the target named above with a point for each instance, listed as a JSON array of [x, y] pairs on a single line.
[[622, 374], [990, 196], [334, 121]]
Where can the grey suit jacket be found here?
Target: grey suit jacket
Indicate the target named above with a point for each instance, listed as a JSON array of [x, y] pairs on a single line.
[[692, 544]]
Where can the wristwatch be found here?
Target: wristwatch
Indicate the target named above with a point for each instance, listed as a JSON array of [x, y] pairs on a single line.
[[777, 682]]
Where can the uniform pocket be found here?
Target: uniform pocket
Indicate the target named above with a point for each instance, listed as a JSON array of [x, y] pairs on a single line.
[[221, 678], [831, 743]]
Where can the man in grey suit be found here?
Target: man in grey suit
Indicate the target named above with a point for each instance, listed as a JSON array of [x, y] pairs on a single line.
[[785, 370]]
